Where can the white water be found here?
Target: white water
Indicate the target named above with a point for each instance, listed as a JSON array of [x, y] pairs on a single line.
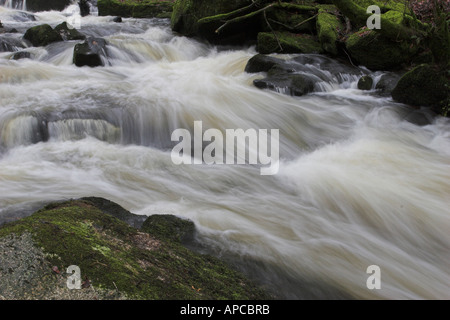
[[359, 184]]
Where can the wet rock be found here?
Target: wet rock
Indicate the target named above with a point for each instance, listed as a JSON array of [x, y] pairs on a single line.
[[21, 55], [261, 63], [387, 83], [292, 84], [42, 35], [90, 52], [68, 32], [10, 44], [365, 83], [84, 7], [170, 227], [117, 19], [424, 86]]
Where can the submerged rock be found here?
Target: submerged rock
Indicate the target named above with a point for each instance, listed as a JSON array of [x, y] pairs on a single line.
[[42, 35], [21, 55], [116, 261], [10, 44], [90, 52]]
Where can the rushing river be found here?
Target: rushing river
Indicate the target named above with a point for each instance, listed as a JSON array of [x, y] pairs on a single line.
[[362, 181]]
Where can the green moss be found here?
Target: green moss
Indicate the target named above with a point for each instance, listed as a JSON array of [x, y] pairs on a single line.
[[328, 27], [113, 255], [424, 86], [290, 42], [376, 52], [42, 35]]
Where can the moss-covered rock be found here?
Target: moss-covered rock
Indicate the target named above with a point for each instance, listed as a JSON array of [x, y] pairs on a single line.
[[365, 83], [424, 86], [202, 18], [134, 8], [376, 52], [269, 42], [169, 227], [42, 35], [115, 259], [328, 27], [47, 5]]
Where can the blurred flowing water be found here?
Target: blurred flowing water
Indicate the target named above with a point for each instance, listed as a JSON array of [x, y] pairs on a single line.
[[363, 181]]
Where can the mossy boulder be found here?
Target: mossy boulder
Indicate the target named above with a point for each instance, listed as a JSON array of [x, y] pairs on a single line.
[[42, 35], [47, 5], [424, 86], [116, 261], [284, 20], [328, 27], [91, 52], [376, 52], [365, 83], [68, 32], [269, 42], [202, 18], [134, 8]]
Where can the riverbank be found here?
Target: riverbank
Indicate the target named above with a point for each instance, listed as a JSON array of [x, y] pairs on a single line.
[[116, 260]]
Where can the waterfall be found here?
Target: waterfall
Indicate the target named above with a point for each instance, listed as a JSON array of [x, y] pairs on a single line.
[[15, 4]]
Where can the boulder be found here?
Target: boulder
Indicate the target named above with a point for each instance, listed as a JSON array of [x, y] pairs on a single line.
[[42, 35], [90, 52], [84, 7], [424, 86], [47, 5], [116, 260], [261, 63], [376, 52], [203, 17], [365, 83], [69, 33], [269, 42]]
